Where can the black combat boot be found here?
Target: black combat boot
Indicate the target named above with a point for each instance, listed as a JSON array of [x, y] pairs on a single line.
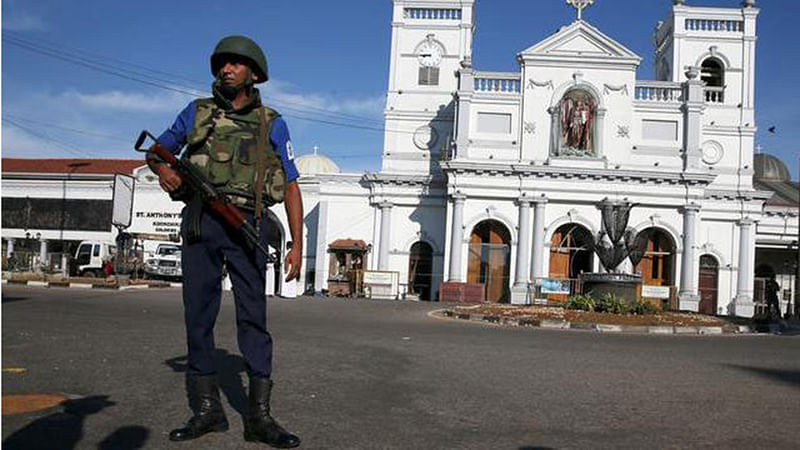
[[260, 426], [208, 413]]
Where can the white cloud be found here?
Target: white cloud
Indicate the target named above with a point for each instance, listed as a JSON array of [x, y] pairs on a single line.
[[281, 94], [21, 21], [107, 122], [130, 101]]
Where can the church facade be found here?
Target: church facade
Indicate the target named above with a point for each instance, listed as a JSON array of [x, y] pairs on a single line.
[[497, 178]]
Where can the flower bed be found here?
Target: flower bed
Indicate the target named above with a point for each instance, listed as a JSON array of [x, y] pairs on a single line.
[[665, 318]]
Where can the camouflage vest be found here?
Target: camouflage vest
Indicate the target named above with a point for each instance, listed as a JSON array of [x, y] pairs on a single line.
[[224, 147]]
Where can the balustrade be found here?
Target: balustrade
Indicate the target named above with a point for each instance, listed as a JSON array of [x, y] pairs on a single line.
[[715, 94], [498, 84], [659, 92], [432, 14], [733, 26]]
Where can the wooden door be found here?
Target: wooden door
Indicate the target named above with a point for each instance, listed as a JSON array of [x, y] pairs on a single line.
[[489, 260], [709, 277]]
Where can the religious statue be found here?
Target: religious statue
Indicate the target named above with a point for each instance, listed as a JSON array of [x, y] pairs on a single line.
[[577, 124]]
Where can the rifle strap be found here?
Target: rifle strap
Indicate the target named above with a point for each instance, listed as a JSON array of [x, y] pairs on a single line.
[[261, 166]]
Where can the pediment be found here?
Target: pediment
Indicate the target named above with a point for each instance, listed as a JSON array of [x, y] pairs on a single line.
[[581, 39]]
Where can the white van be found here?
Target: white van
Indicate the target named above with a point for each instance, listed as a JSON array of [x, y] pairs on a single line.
[[90, 256]]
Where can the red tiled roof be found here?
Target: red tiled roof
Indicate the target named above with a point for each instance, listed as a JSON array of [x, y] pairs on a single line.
[[72, 166], [348, 244]]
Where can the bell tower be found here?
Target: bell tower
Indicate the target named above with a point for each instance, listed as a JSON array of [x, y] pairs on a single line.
[[721, 42], [430, 38]]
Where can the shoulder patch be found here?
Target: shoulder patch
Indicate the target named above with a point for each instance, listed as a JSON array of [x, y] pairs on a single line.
[[290, 150]]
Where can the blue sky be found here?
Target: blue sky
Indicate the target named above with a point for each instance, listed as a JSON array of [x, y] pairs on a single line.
[[328, 60]]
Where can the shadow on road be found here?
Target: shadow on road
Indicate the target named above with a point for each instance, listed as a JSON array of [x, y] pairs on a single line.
[[125, 438], [63, 430], [786, 376], [229, 374], [9, 299]]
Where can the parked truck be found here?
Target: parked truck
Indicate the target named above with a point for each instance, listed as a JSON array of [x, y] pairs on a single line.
[[162, 260], [90, 258]]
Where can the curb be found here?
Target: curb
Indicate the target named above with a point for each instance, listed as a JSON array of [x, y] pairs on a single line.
[[596, 327], [74, 285]]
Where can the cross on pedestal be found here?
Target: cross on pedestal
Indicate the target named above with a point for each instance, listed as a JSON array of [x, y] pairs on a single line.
[[580, 5]]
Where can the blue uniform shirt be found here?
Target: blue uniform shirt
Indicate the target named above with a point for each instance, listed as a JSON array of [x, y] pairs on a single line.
[[174, 138]]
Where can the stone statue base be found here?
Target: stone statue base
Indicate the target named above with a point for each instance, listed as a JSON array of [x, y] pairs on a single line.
[[622, 285]]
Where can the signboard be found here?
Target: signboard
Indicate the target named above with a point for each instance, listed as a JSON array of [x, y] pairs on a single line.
[[381, 284], [550, 286], [122, 210], [655, 292], [374, 277], [159, 222]]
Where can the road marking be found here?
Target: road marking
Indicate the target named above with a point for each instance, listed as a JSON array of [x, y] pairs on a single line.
[[20, 404]]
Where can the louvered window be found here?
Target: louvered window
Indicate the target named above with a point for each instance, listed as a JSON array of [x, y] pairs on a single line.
[[428, 76]]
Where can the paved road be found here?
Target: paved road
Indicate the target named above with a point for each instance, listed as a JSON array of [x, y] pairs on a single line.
[[384, 375]]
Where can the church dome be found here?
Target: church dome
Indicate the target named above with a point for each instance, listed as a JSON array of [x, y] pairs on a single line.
[[770, 168], [315, 164]]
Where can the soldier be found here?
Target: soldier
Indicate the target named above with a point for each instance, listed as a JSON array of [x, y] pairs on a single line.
[[243, 148]]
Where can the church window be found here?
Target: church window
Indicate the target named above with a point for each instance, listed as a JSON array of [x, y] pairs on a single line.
[[576, 124], [713, 74], [428, 76]]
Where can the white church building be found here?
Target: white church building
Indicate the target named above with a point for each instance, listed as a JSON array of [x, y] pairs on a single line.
[[495, 178], [489, 174]]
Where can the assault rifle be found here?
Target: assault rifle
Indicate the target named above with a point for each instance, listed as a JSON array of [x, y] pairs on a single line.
[[211, 197]]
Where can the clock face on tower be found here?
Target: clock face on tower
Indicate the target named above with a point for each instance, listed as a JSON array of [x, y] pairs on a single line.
[[429, 54]]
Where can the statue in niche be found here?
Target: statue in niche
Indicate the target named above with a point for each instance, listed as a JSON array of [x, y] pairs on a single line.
[[577, 114]]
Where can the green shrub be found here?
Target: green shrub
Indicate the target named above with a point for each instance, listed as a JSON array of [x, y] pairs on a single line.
[[580, 302], [643, 307], [612, 303]]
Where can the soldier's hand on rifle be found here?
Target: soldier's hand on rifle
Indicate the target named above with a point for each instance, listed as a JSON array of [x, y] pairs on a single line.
[[168, 179]]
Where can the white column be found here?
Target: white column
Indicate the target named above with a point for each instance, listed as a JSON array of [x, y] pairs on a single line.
[[456, 237], [322, 247], [386, 224], [466, 88], [537, 258], [10, 247], [743, 303], [693, 106], [687, 296], [43, 252], [599, 129], [519, 292]]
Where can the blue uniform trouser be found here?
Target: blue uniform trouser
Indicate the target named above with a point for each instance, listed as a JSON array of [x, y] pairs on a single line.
[[202, 287]]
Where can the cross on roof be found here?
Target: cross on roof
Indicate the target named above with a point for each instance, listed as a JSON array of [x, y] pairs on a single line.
[[580, 5]]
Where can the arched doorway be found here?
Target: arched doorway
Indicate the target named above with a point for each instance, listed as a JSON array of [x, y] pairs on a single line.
[[709, 277], [570, 251], [570, 255], [420, 268], [490, 259], [658, 264]]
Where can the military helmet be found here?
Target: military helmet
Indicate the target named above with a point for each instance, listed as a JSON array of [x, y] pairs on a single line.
[[244, 47]]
